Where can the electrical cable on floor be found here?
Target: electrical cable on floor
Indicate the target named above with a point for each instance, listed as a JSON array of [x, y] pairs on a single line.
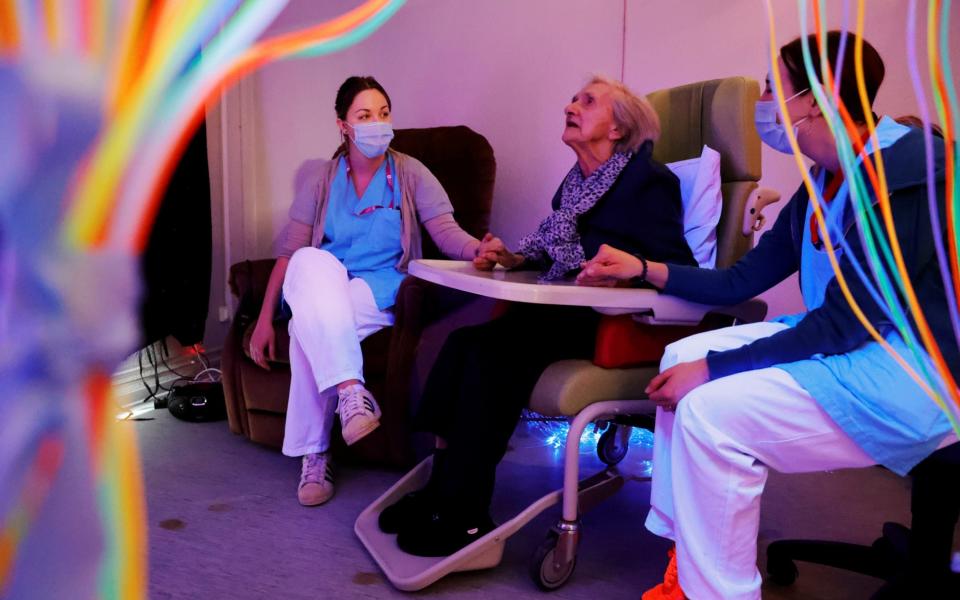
[[165, 355], [157, 353]]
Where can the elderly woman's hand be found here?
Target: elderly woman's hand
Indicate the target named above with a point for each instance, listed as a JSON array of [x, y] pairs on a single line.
[[493, 251], [609, 267], [669, 387]]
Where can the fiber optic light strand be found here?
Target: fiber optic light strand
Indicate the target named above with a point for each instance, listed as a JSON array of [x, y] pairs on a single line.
[[51, 22], [155, 77], [895, 262], [97, 189], [856, 187], [116, 467], [844, 152], [844, 27], [866, 223], [812, 192], [94, 197], [952, 104], [846, 138], [314, 41], [943, 263], [9, 29], [376, 13], [930, 343], [138, 19], [868, 227], [39, 479], [938, 86]]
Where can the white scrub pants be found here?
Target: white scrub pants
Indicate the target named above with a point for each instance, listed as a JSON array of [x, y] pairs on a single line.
[[710, 461], [332, 314]]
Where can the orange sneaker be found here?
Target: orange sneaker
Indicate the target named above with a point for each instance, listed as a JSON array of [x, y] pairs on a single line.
[[670, 588]]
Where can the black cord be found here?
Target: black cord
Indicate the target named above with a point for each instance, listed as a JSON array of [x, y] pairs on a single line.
[[163, 357], [152, 394]]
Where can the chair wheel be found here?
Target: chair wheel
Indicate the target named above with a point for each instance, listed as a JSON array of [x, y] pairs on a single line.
[[613, 444], [782, 571], [544, 571]]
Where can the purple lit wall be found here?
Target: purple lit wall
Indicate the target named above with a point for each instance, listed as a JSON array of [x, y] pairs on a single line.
[[505, 68]]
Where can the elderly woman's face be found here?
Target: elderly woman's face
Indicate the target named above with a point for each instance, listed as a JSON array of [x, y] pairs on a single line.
[[589, 117]]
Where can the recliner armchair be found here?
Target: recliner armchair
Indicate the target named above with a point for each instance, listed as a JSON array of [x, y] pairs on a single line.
[[463, 162]]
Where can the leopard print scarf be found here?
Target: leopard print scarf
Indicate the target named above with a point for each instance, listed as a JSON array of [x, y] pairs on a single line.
[[557, 238]]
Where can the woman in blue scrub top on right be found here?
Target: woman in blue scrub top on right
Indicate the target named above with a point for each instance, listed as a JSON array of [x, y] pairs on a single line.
[[808, 392]]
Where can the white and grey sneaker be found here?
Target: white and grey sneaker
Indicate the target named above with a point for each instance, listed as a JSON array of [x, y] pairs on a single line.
[[359, 413], [316, 479]]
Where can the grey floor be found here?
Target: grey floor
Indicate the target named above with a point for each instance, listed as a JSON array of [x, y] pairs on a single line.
[[224, 523]]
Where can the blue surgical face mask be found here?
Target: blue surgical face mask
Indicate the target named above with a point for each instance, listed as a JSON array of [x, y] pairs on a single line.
[[372, 139], [771, 131]]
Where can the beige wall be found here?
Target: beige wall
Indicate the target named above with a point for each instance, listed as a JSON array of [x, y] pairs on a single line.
[[505, 68]]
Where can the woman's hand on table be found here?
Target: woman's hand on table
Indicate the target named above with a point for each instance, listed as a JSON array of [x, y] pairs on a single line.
[[492, 251], [669, 387], [609, 268]]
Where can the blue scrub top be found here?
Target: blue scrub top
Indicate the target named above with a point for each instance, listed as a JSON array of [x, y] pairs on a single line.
[[364, 233], [869, 396]]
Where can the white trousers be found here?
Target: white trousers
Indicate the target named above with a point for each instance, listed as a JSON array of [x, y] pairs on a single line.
[[332, 314], [710, 461]]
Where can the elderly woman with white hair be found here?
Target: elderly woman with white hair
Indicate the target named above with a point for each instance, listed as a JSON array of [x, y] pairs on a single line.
[[615, 194]]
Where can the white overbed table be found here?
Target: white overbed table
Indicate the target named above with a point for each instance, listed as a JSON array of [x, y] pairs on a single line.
[[522, 286]]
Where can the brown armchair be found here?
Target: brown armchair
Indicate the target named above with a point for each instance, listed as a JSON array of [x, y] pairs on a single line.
[[256, 399]]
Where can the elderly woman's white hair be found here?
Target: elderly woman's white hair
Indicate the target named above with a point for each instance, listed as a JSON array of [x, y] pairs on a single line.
[[634, 115]]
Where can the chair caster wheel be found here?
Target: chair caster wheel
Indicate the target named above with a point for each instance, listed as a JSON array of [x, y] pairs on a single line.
[[782, 571], [613, 444], [544, 568]]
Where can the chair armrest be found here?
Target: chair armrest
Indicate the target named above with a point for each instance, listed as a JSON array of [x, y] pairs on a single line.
[[668, 313], [753, 218], [639, 339], [248, 282], [251, 277]]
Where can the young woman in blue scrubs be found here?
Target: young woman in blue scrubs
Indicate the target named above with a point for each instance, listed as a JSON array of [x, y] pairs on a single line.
[[354, 227], [807, 392]]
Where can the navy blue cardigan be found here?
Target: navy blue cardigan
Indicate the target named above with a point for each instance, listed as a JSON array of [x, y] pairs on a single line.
[[641, 213], [832, 328]]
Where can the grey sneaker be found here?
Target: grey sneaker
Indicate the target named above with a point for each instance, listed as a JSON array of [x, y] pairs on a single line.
[[316, 479], [359, 413]]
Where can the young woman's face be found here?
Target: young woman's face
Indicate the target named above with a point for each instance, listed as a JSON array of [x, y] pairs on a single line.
[[797, 107], [367, 106]]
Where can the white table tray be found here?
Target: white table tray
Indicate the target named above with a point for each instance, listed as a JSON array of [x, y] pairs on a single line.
[[522, 286]]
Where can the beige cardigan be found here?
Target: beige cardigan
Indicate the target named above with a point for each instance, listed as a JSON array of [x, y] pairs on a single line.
[[418, 189]]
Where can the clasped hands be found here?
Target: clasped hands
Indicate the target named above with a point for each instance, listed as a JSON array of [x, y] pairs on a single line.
[[492, 252]]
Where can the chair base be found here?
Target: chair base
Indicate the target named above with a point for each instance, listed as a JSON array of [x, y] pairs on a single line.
[[411, 573], [887, 559]]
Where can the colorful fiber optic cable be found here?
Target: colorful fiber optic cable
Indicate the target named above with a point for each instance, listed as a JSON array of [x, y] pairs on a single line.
[[881, 246], [872, 235], [157, 64]]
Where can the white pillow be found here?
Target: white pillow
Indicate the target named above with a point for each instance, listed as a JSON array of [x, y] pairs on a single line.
[[702, 203]]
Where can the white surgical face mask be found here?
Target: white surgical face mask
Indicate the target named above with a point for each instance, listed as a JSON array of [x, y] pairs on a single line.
[[771, 131], [372, 139]]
